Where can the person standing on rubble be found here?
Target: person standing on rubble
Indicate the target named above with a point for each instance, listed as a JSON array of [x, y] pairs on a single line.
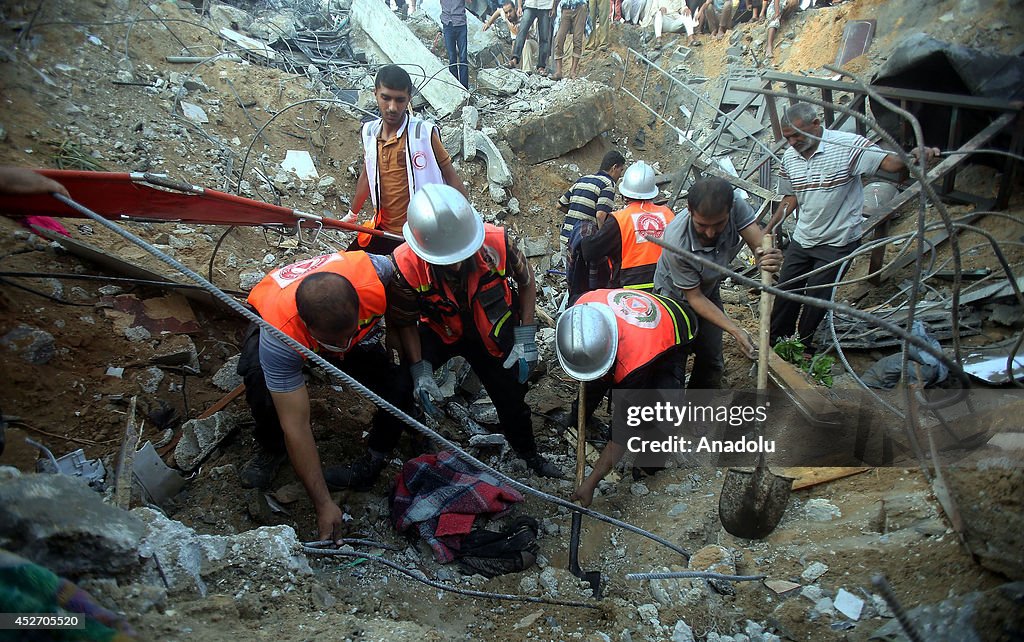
[[623, 237], [621, 340], [456, 34], [452, 295], [330, 304], [530, 11], [586, 205], [820, 178], [715, 226], [401, 154]]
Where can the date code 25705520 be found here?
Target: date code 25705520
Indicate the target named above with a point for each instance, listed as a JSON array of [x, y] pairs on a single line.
[[10, 621]]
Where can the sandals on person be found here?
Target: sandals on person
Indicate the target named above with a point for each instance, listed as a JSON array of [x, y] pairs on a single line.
[[513, 63], [541, 71]]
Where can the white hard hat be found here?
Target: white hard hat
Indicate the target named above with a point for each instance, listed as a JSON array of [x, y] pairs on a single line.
[[586, 340], [442, 227], [638, 182]]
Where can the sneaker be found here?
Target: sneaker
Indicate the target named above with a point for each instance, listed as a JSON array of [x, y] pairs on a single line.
[[543, 467], [359, 475], [259, 471]]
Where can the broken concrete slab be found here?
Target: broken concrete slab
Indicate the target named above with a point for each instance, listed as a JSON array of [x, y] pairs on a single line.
[[225, 16], [480, 44], [194, 112], [500, 81], [498, 171], [227, 378], [401, 46], [59, 522], [35, 346], [250, 45], [200, 436], [186, 561], [470, 123], [177, 350], [543, 137]]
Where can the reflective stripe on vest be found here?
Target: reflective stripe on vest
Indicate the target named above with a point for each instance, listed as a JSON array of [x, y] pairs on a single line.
[[639, 256], [489, 293], [274, 296], [648, 324]]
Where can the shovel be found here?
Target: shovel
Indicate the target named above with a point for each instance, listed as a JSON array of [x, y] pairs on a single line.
[[591, 577], [752, 503]]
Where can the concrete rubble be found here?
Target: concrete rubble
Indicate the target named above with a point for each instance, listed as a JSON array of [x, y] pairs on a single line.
[[189, 560], [200, 436], [58, 522]]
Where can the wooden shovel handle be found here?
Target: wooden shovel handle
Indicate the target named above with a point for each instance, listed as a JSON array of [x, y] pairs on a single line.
[[765, 313], [581, 435]]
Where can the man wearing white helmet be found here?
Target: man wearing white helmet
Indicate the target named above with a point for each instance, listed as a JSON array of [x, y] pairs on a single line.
[[454, 276], [623, 237], [715, 226], [621, 339]]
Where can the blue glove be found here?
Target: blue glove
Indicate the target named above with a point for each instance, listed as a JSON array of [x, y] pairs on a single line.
[[523, 357], [425, 391]]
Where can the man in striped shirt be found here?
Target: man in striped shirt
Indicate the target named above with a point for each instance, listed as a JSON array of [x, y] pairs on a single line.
[[820, 178], [585, 205]]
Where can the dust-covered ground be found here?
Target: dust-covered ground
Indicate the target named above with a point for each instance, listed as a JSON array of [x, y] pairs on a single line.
[[64, 107]]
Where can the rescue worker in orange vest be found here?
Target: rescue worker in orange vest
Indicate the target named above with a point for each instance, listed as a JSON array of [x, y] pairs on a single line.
[[621, 339], [622, 237], [454, 276], [330, 304]]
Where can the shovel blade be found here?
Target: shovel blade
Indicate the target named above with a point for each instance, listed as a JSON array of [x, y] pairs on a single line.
[[590, 577], [752, 503]]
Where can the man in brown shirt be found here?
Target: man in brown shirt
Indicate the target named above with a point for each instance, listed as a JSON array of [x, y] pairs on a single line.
[[401, 154]]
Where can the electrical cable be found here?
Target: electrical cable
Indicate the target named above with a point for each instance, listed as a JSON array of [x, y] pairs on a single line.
[[172, 285], [43, 294], [419, 577]]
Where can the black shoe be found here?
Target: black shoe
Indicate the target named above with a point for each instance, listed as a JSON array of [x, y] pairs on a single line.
[[359, 475], [543, 467], [259, 471]]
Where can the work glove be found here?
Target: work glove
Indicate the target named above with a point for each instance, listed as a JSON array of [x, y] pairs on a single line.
[[523, 356], [424, 389], [350, 217]]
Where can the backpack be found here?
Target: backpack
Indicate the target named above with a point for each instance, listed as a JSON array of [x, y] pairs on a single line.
[[492, 553]]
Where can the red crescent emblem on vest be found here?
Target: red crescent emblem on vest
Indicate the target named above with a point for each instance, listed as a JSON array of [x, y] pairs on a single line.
[[296, 270], [652, 225], [635, 308], [419, 160]]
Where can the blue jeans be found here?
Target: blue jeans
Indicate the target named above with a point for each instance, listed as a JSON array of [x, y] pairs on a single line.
[[543, 19], [455, 38]]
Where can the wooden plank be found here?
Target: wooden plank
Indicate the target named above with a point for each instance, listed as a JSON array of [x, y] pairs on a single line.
[[876, 216], [805, 392], [809, 476], [126, 461]]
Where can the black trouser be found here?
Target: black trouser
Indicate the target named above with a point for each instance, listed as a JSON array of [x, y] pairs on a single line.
[[369, 366], [507, 394], [661, 373], [800, 260], [706, 348], [377, 245]]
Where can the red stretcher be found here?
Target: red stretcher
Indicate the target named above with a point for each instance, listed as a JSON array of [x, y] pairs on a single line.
[[147, 197]]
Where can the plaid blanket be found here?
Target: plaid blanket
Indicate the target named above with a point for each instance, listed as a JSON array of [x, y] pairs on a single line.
[[441, 495]]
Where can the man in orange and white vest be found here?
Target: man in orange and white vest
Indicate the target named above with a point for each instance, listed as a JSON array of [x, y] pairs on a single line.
[[401, 154], [331, 304], [453, 295], [621, 339], [623, 235]]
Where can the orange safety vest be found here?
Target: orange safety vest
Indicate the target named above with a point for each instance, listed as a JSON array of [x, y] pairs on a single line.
[[649, 325], [489, 293], [274, 296], [639, 256]]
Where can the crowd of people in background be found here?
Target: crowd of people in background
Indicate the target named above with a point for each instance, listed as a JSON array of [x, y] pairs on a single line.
[[540, 30]]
